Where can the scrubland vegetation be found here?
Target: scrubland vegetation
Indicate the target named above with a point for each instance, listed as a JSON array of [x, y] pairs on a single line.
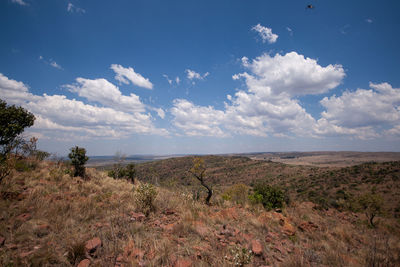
[[195, 211]]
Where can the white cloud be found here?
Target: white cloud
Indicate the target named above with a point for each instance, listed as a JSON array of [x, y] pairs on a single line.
[[291, 74], [167, 78], [55, 65], [369, 21], [74, 9], [265, 33], [107, 94], [196, 120], [268, 106], [290, 31], [363, 112], [124, 75], [193, 75], [119, 115], [177, 80], [19, 2], [50, 62]]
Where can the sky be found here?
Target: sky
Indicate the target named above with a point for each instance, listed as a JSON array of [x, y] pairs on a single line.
[[204, 77]]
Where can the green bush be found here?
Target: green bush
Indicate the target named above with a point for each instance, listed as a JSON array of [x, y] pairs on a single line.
[[78, 159], [271, 197], [145, 196], [127, 172]]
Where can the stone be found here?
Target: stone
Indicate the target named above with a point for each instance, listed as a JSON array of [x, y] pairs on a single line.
[[137, 216], [169, 211], [288, 229], [183, 263], [308, 226], [24, 217], [92, 245], [256, 247], [84, 263]]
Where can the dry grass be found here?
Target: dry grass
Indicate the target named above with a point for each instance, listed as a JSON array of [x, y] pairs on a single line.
[[47, 217]]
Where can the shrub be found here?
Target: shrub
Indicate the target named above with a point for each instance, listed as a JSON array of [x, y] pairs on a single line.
[[237, 193], [127, 172], [271, 197], [145, 196], [78, 159], [372, 205]]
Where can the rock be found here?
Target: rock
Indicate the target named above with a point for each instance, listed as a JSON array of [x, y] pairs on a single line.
[[24, 217], [2, 240], [183, 263], [288, 229], [84, 263], [256, 247], [25, 254], [308, 227], [169, 211], [92, 245], [137, 216]]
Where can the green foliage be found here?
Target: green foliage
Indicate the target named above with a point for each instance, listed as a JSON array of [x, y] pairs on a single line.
[[271, 197], [372, 205], [237, 193], [13, 121], [78, 159], [127, 172], [145, 195]]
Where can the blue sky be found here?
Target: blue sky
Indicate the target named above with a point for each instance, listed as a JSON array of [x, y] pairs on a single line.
[[164, 77]]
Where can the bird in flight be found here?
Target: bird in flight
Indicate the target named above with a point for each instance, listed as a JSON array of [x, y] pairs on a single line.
[[310, 7]]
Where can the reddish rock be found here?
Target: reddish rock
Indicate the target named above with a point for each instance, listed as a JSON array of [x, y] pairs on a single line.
[[84, 263], [308, 227], [25, 254], [256, 247], [169, 211], [288, 229], [92, 245], [24, 217], [2, 240], [183, 263], [137, 216]]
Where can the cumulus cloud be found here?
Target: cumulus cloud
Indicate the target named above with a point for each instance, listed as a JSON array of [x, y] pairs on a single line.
[[291, 74], [107, 94], [197, 120], [268, 106], [192, 75], [119, 115], [126, 75], [265, 33], [363, 112], [74, 9], [19, 2]]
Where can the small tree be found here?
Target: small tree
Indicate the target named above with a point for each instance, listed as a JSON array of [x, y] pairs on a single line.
[[130, 172], [372, 205], [78, 159], [198, 170], [271, 197], [13, 121]]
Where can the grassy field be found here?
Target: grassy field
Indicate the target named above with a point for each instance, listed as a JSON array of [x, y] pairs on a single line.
[[49, 218]]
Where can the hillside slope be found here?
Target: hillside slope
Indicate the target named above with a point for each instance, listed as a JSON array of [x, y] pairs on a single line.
[[49, 218]]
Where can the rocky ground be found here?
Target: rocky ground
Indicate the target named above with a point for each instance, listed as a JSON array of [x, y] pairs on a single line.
[[48, 218]]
